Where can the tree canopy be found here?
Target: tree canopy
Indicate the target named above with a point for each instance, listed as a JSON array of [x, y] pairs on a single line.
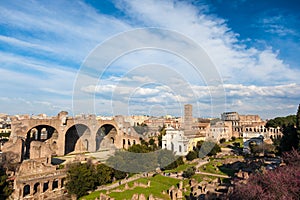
[[282, 122], [191, 155], [281, 183], [290, 127], [5, 185], [207, 148], [189, 172], [83, 177]]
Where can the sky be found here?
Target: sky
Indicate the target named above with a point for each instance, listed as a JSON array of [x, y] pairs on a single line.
[[150, 57]]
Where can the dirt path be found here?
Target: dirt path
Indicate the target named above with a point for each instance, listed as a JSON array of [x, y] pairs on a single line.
[[123, 181], [210, 174]]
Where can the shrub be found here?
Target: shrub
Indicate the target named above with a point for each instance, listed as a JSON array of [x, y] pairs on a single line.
[[191, 155], [189, 172], [207, 148], [222, 140], [281, 183], [81, 178]]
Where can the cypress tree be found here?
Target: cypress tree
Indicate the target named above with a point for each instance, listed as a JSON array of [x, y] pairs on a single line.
[[298, 125]]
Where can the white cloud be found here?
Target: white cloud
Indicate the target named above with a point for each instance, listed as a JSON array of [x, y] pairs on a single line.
[[277, 25], [232, 58], [58, 39], [68, 33]]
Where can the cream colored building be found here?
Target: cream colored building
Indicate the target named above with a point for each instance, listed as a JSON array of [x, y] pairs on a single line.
[[175, 141], [222, 129]]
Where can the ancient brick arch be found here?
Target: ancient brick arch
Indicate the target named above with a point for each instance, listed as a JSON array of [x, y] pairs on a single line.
[[31, 184], [61, 139], [39, 133], [248, 141], [37, 178], [77, 138], [106, 136]]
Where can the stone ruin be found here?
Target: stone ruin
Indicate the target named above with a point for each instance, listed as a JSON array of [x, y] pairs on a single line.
[[205, 189], [39, 179], [135, 184], [176, 192], [35, 140]]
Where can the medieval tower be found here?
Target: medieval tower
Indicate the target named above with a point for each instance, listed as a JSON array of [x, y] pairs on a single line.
[[188, 119]]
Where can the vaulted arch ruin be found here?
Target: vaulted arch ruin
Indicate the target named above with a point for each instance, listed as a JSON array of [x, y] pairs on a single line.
[[74, 140]]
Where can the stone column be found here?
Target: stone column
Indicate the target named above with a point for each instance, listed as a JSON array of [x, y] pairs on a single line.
[[20, 192], [31, 188], [59, 183], [41, 187], [50, 185], [39, 132], [61, 140], [92, 138]]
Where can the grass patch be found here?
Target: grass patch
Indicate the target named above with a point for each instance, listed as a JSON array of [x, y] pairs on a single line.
[[180, 168], [93, 195], [230, 143], [158, 184], [216, 167], [201, 177]]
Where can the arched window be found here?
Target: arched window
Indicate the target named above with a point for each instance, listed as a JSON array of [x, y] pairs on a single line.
[[26, 190]]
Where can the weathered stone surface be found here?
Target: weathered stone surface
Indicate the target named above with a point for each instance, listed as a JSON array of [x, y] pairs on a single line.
[[34, 140], [142, 197], [38, 178]]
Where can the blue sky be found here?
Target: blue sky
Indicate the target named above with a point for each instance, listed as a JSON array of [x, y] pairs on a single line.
[[254, 45]]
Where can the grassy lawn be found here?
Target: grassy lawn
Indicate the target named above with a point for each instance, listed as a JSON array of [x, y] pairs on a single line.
[[158, 184], [225, 157], [180, 168], [161, 183], [201, 177], [237, 140], [93, 195], [215, 167]]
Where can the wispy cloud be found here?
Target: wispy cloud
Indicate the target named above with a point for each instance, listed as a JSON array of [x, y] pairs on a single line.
[[278, 24], [44, 46], [231, 57]]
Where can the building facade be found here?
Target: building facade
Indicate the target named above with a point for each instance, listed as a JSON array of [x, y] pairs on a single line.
[[175, 141]]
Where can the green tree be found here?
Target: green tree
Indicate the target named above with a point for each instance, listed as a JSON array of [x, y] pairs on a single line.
[[298, 125], [290, 127], [179, 161], [165, 157], [5, 185], [282, 121], [174, 164], [104, 174], [139, 148], [160, 140], [289, 140], [222, 140], [199, 144], [191, 155], [135, 161], [151, 141], [207, 148], [80, 179], [162, 133], [189, 172], [119, 174]]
